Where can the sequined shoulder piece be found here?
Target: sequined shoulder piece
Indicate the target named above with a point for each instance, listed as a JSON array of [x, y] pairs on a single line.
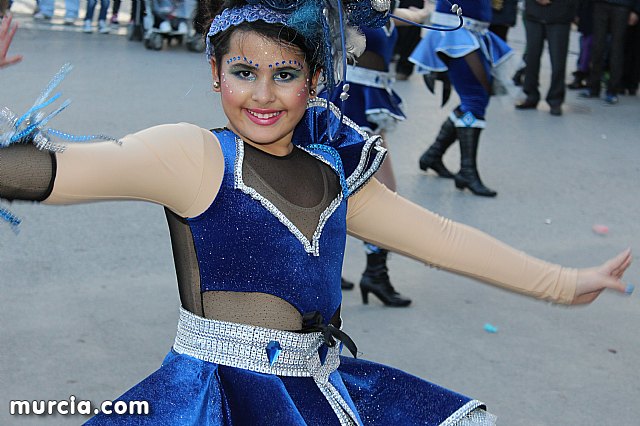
[[353, 153]]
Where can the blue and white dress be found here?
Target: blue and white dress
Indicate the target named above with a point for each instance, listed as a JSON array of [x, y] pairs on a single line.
[[221, 373]]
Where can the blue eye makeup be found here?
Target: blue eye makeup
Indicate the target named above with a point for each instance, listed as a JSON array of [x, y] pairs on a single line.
[[287, 74], [243, 72], [282, 74]]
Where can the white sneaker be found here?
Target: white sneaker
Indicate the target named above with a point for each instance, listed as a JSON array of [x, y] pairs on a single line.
[[165, 27], [183, 28], [103, 28], [69, 21], [41, 16], [87, 28]]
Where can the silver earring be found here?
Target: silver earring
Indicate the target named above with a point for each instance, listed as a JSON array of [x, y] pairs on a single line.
[[312, 92], [216, 85]]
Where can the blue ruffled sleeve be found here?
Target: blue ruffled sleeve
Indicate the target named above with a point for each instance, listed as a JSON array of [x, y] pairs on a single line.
[[351, 152]]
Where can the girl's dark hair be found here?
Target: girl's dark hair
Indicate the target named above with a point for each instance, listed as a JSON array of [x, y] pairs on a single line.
[[278, 32]]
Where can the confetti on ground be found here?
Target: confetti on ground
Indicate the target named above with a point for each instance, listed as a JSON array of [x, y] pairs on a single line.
[[490, 328], [600, 229], [547, 221]]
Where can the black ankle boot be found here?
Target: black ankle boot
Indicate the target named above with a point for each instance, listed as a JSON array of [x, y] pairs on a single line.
[[518, 77], [432, 157], [468, 176], [346, 285], [579, 81], [375, 279]]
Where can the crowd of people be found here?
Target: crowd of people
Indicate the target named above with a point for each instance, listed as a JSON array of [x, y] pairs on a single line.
[[258, 223]]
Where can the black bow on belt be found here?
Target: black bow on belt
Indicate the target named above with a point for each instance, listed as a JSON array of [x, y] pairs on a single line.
[[313, 321]]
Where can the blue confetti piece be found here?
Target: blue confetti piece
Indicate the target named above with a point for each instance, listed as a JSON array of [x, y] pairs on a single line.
[[490, 328]]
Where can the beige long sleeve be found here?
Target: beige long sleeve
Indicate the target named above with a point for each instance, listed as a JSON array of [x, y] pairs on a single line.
[[179, 166], [380, 216]]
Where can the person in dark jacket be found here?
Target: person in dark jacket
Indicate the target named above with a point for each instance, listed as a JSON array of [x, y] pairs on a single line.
[[550, 20], [610, 17], [631, 69], [584, 19], [504, 14]]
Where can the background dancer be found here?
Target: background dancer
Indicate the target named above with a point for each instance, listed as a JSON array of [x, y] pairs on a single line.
[[375, 107], [467, 56]]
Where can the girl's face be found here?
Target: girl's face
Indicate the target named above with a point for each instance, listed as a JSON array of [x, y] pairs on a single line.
[[264, 87]]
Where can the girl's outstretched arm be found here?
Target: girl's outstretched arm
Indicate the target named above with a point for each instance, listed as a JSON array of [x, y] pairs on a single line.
[[382, 217], [179, 166]]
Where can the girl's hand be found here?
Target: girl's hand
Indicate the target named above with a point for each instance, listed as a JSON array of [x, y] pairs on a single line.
[[413, 13], [6, 35], [592, 281]]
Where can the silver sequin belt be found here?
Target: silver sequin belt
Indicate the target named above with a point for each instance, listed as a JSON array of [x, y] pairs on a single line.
[[263, 350], [370, 78]]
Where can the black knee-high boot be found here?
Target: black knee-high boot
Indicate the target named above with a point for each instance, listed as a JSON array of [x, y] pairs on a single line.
[[432, 157], [375, 279], [468, 176]]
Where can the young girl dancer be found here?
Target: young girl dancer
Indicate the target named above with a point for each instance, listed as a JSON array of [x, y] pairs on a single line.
[[258, 213]]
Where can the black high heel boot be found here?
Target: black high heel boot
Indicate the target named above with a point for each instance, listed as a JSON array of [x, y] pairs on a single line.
[[432, 157], [468, 176], [375, 279]]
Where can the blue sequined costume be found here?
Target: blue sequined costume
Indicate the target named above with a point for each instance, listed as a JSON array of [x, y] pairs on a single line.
[[244, 244], [372, 102]]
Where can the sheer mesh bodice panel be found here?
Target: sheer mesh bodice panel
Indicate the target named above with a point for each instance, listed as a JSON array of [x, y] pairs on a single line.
[[301, 187]]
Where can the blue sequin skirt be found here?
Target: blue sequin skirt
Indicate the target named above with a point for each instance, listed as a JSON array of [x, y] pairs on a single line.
[[314, 385], [455, 44]]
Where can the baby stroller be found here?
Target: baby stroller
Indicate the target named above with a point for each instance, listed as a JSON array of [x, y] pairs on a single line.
[[171, 20]]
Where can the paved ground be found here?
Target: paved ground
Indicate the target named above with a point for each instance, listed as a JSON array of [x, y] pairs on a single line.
[[88, 299]]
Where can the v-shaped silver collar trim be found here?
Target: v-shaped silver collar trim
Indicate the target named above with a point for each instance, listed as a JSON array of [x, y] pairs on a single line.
[[311, 247]]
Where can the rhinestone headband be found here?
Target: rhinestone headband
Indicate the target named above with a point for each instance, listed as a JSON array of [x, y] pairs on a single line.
[[237, 15]]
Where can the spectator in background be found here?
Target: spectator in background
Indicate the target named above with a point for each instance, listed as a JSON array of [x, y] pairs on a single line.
[[46, 9], [631, 71], [114, 13], [408, 39], [610, 17], [4, 6], [103, 28], [584, 19], [504, 14], [550, 20]]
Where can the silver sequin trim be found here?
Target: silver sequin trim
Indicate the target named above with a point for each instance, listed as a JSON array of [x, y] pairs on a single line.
[[381, 5], [244, 346], [460, 417], [478, 417], [311, 247]]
